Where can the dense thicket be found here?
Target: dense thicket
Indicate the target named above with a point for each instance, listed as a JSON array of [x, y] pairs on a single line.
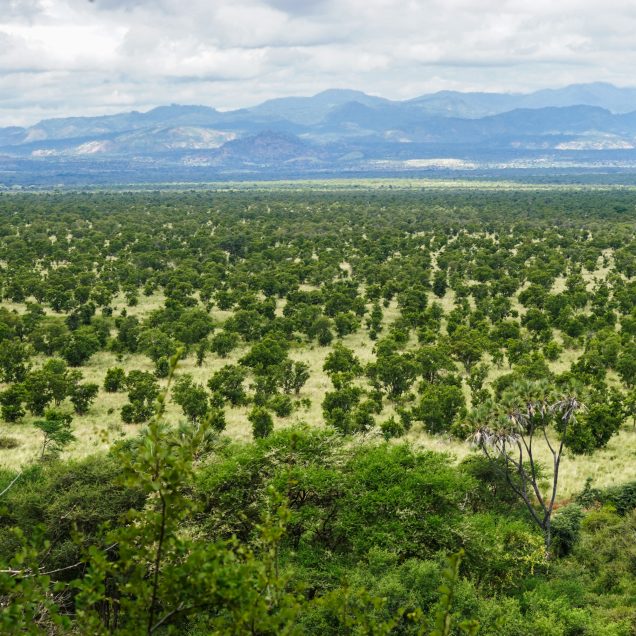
[[369, 523]]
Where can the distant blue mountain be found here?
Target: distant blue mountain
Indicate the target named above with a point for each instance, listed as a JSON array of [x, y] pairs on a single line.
[[334, 130], [474, 105], [312, 110]]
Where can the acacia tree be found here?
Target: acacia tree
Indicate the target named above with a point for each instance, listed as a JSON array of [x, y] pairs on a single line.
[[191, 397], [11, 400], [223, 343], [509, 436], [14, 361], [82, 396], [294, 375], [56, 432]]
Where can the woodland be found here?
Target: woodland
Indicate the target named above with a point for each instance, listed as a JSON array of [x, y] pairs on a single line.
[[289, 410]]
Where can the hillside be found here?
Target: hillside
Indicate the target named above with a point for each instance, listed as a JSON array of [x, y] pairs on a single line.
[[586, 126]]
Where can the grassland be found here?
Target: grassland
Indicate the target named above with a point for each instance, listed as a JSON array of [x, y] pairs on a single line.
[[102, 425]]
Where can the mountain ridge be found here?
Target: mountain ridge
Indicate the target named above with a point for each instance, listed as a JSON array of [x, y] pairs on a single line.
[[600, 94], [337, 130]]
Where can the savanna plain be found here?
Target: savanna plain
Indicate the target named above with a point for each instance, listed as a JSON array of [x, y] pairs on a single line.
[[358, 408]]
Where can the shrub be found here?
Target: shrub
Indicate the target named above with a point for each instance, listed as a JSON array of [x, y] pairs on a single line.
[[262, 423], [391, 428], [566, 529], [622, 497], [281, 405], [162, 367], [115, 380], [66, 500], [589, 496]]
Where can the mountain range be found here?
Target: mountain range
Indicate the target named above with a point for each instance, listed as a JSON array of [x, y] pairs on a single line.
[[335, 131]]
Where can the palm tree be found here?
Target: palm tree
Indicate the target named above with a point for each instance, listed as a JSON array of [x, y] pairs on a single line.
[[508, 434]]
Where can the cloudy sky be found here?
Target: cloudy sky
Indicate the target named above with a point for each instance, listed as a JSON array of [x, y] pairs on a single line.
[[77, 57]]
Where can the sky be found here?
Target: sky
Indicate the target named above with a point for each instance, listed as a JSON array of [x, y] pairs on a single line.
[[82, 57]]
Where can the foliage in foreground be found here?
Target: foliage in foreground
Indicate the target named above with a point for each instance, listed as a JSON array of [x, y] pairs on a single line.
[[299, 533], [152, 571]]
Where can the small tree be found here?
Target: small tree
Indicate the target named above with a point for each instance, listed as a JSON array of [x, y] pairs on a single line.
[[202, 349], [509, 435], [262, 422], [477, 377], [60, 379], [11, 400], [294, 375], [265, 354], [321, 330], [467, 345], [82, 396], [115, 380], [80, 346], [14, 361], [156, 344], [56, 431], [281, 404], [601, 420], [394, 372], [143, 390], [216, 419], [440, 405], [341, 360], [346, 323], [191, 397], [162, 367], [227, 383], [439, 283], [338, 407], [374, 322], [626, 367], [434, 362], [38, 393], [223, 343]]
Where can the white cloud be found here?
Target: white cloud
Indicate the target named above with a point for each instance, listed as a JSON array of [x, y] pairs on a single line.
[[60, 57]]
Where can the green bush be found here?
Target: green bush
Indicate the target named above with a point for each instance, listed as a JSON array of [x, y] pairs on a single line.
[[65, 499], [391, 428], [566, 529], [262, 423], [622, 497], [282, 405]]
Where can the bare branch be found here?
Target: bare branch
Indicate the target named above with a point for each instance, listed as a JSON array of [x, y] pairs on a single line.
[[6, 490]]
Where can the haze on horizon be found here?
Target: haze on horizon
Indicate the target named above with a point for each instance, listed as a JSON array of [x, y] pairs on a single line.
[[75, 57]]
